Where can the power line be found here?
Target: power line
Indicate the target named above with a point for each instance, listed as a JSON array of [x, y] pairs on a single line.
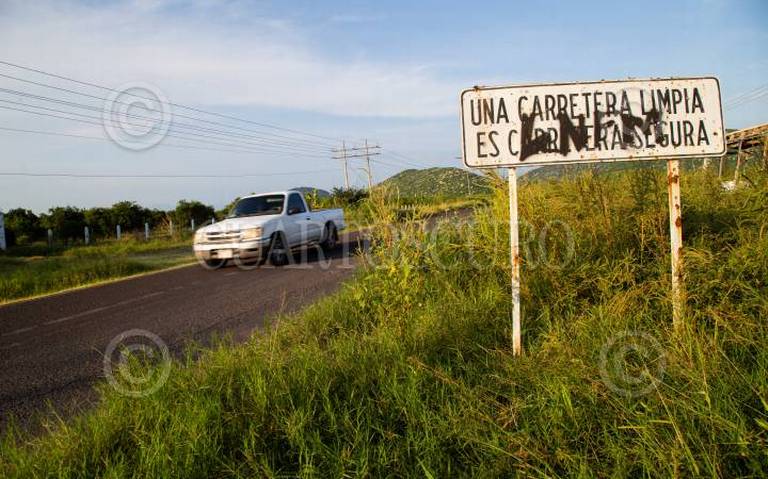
[[345, 154], [748, 97], [101, 138], [400, 158], [746, 94], [156, 129], [155, 176], [174, 124], [255, 149], [95, 97], [178, 105]]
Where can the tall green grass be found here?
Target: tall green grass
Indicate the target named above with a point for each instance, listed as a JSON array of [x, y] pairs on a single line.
[[408, 371], [24, 275]]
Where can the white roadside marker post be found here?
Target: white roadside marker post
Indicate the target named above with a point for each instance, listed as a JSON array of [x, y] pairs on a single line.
[[3, 244], [514, 257], [146, 231], [676, 240], [87, 234]]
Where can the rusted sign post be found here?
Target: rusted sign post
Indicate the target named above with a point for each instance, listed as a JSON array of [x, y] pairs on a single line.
[[676, 239], [514, 255], [566, 123]]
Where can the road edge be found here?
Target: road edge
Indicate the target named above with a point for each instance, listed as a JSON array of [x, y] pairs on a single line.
[[95, 284]]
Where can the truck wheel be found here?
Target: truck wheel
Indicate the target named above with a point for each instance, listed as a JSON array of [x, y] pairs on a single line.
[[215, 263], [330, 237], [278, 255]]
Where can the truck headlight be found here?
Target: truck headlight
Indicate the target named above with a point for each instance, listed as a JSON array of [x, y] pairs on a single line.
[[250, 234]]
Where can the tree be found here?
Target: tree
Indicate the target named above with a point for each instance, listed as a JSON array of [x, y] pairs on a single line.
[[128, 215], [188, 210], [67, 222], [100, 221], [348, 196], [24, 224]]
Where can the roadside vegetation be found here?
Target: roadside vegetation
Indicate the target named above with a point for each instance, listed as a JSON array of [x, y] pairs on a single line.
[[408, 370], [36, 269], [48, 252], [33, 266]]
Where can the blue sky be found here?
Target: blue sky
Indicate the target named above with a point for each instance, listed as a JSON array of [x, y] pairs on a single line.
[[388, 71]]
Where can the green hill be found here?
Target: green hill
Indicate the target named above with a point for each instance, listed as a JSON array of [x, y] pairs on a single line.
[[555, 172], [308, 189], [445, 182], [559, 171]]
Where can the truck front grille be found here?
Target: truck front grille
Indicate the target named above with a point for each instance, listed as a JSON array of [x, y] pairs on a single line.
[[216, 237]]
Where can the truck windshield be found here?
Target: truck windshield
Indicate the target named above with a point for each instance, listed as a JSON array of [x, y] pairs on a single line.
[[258, 205]]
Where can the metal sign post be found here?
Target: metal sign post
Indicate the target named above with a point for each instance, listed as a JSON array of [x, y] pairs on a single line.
[[514, 258], [676, 240], [593, 122]]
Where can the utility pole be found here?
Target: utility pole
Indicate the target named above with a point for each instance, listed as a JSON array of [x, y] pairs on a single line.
[[345, 154], [342, 155], [346, 169], [368, 167]]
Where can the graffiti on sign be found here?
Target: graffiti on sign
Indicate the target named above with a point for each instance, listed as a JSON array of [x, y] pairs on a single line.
[[591, 122]]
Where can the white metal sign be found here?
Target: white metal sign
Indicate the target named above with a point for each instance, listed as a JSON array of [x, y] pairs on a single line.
[[532, 125], [2, 232]]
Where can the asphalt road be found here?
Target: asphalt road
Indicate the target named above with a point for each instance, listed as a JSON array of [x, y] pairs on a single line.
[[52, 349]]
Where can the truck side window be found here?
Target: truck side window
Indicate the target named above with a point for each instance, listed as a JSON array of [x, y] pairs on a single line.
[[295, 205]]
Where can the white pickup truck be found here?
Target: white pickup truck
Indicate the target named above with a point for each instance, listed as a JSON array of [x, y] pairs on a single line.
[[267, 226]]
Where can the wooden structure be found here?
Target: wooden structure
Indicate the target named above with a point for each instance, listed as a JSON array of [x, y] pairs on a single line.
[[741, 141]]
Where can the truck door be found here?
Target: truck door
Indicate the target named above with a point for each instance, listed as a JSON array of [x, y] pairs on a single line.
[[298, 228], [316, 224]]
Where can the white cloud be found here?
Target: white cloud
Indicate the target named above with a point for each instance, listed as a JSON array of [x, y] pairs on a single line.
[[354, 18], [208, 54]]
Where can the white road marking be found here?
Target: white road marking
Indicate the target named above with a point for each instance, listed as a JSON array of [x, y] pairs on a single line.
[[103, 308], [19, 331]]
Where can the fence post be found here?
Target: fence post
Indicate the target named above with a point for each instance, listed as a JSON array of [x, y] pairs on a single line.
[[146, 231], [118, 232], [87, 235], [50, 238], [3, 245], [170, 227], [193, 224]]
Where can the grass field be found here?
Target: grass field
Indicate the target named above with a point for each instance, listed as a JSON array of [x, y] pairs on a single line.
[[34, 270], [408, 370]]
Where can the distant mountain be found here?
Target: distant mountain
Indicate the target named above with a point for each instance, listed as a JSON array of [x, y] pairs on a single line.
[[308, 189], [445, 182]]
